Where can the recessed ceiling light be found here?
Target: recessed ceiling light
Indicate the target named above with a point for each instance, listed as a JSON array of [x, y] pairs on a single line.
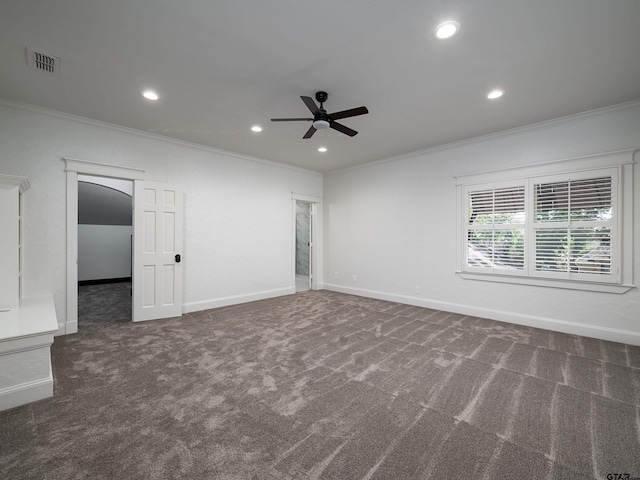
[[446, 30], [256, 128], [150, 95], [493, 94], [322, 149]]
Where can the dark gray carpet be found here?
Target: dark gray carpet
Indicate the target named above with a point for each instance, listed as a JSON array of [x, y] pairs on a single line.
[[104, 305], [332, 386]]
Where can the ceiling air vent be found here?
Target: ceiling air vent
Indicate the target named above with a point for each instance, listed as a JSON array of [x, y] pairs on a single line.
[[43, 61]]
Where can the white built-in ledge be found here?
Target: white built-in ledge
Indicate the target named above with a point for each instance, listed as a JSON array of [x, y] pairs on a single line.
[[26, 335]]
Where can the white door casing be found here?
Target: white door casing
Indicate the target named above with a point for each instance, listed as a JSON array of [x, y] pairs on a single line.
[[157, 262], [74, 167], [311, 245]]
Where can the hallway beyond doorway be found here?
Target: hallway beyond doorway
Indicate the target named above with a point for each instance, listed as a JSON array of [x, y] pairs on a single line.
[[302, 283], [104, 305]]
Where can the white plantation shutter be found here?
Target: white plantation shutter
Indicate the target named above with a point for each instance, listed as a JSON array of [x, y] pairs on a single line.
[[565, 224], [557, 227], [574, 230], [495, 229]]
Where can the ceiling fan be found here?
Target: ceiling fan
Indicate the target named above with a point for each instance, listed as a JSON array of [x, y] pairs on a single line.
[[321, 119]]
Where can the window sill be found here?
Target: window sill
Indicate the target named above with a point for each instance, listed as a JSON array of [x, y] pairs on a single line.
[[545, 282]]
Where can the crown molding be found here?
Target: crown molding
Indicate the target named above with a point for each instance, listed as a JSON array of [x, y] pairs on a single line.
[[489, 136], [140, 133], [415, 153]]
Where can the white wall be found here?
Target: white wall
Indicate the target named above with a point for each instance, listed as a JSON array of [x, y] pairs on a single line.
[[393, 224], [104, 252], [238, 211]]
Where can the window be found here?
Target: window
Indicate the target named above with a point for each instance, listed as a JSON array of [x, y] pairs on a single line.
[[496, 228], [573, 226], [552, 222]]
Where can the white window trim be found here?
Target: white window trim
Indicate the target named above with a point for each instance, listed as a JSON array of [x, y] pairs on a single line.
[[623, 160]]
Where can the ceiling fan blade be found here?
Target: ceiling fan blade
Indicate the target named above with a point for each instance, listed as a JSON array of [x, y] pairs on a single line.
[[310, 132], [292, 119], [348, 113], [341, 128], [311, 105]]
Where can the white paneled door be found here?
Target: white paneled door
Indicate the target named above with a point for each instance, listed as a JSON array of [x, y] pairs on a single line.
[[157, 251]]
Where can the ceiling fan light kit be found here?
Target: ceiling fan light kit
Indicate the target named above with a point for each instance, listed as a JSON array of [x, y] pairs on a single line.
[[446, 30], [321, 119]]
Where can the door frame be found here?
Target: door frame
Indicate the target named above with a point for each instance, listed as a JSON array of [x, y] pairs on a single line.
[[316, 239], [74, 167]]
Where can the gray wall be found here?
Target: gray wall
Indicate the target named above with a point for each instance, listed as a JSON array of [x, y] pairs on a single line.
[[104, 230], [104, 252]]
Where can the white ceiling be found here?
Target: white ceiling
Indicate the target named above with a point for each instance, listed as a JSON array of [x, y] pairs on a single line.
[[221, 66]]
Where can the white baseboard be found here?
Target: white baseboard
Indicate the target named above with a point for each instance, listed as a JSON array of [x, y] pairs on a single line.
[[72, 326], [546, 323], [17, 395], [236, 299]]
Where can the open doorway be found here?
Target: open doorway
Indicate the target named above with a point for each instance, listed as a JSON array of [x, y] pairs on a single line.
[[304, 246], [157, 245], [105, 234], [306, 252]]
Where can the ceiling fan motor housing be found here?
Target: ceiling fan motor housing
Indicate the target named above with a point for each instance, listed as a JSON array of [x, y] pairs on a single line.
[[321, 114], [321, 118], [321, 97]]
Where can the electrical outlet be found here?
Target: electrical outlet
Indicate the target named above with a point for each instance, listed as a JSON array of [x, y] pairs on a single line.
[[417, 289], [336, 275], [355, 278]]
